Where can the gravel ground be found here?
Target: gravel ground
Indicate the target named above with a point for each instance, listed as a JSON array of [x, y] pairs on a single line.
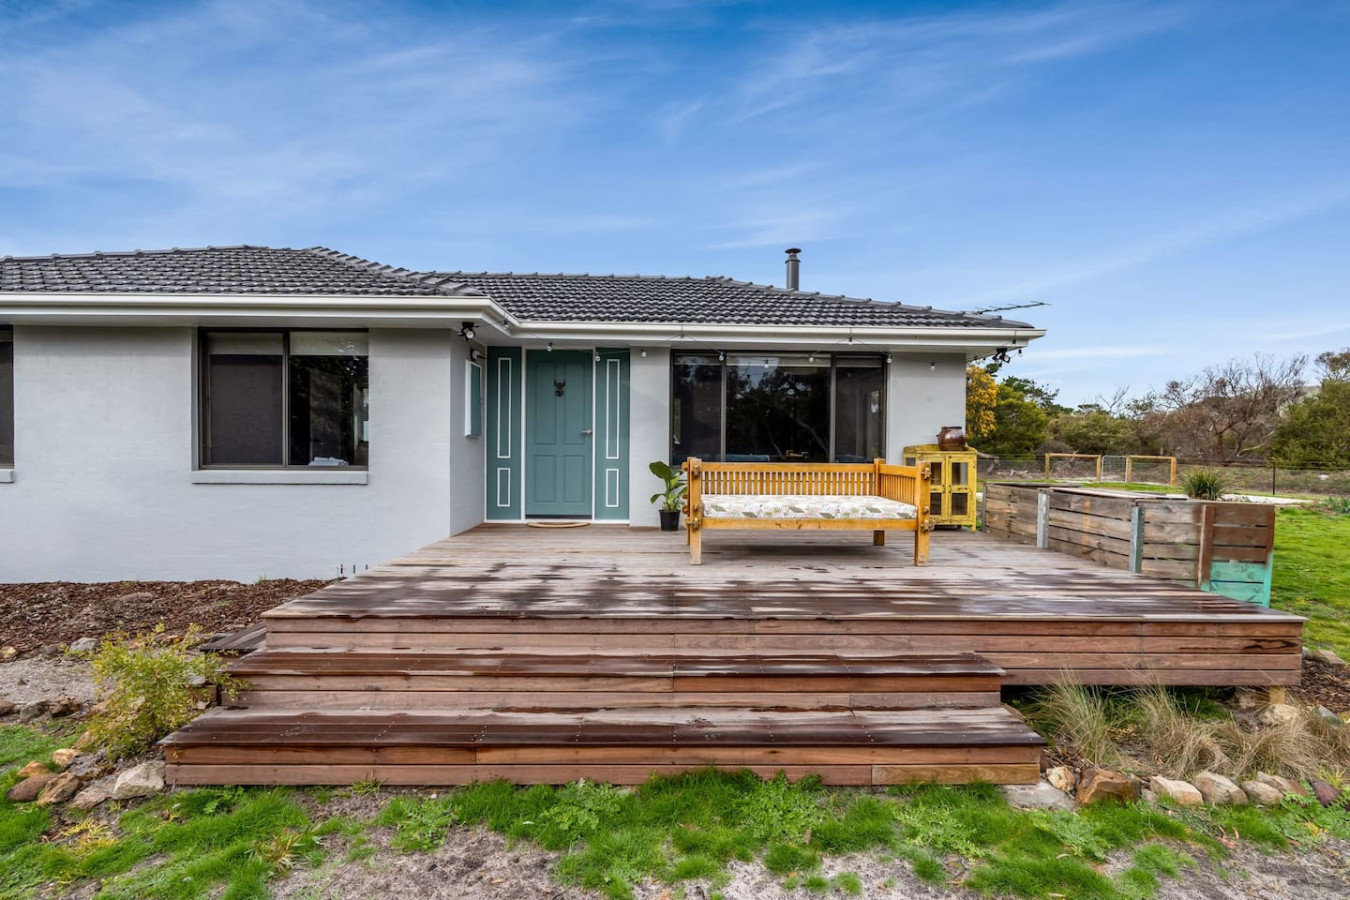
[[26, 679], [58, 612]]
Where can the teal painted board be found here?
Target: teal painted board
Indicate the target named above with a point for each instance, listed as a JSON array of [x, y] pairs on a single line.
[[1241, 580], [558, 433], [611, 435], [504, 450]]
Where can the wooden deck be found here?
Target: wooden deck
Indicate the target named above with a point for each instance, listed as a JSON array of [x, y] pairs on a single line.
[[599, 652]]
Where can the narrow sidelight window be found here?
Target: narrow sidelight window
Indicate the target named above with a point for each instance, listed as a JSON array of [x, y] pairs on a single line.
[[696, 408], [859, 426], [6, 397], [275, 399]]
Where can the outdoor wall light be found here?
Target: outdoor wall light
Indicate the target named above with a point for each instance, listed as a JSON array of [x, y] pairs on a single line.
[[888, 359], [466, 330], [597, 356], [932, 366], [644, 354], [549, 346], [475, 355], [721, 356]]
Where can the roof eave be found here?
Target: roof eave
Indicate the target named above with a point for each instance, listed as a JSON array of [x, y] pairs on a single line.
[[28, 307], [785, 335]]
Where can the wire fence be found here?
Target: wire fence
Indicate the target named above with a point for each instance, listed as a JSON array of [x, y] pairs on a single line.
[[1245, 479]]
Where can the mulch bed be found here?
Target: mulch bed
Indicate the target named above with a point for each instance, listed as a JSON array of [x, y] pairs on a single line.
[[58, 612], [1325, 685]]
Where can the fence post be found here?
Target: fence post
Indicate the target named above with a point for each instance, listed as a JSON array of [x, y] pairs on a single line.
[[1042, 519], [1272, 481], [1137, 538]]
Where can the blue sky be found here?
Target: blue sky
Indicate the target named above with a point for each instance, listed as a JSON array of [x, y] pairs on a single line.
[[1172, 178]]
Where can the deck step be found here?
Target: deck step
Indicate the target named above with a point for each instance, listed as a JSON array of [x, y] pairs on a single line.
[[625, 746], [390, 680]]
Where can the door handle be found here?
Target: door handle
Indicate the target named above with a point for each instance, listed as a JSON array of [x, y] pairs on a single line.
[[588, 432]]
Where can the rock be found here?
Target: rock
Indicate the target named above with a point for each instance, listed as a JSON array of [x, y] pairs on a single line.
[[138, 597], [1037, 796], [49, 651], [1262, 794], [90, 797], [1278, 714], [1219, 790], [27, 790], [63, 706], [85, 741], [1325, 793], [1328, 716], [1283, 785], [1327, 656], [197, 680], [87, 765], [31, 712], [63, 758], [83, 645], [1096, 785], [1062, 777], [1179, 792], [33, 768], [7, 653], [1148, 796], [6, 708], [140, 781], [59, 789]]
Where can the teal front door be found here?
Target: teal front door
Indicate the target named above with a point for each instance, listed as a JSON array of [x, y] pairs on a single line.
[[558, 425]]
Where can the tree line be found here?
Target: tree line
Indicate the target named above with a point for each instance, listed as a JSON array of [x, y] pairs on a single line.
[[1257, 410]]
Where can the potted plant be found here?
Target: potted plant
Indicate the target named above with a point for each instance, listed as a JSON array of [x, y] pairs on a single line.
[[671, 497]]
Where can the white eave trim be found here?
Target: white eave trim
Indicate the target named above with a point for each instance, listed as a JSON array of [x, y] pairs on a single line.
[[28, 307], [818, 336], [56, 308]]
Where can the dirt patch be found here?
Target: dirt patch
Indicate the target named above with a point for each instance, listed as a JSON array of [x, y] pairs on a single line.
[[472, 863], [34, 678], [1324, 684], [58, 612]]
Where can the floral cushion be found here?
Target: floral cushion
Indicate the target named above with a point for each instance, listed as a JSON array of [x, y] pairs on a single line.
[[803, 506]]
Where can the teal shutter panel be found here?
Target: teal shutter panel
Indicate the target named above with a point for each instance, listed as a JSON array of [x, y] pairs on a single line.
[[504, 448], [611, 434]]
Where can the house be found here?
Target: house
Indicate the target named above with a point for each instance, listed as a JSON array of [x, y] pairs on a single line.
[[241, 412]]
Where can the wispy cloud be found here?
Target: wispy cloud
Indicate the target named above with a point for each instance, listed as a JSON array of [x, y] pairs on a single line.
[[1255, 217], [960, 56]]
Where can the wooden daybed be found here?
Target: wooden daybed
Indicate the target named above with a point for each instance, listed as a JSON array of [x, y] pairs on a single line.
[[875, 497]]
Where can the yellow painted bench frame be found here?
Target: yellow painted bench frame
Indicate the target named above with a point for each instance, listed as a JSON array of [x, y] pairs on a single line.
[[907, 484]]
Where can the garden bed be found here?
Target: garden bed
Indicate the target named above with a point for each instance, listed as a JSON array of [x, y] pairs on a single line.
[[52, 613]]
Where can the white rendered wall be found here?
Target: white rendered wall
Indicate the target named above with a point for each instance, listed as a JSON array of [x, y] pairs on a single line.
[[104, 421], [649, 437], [922, 395]]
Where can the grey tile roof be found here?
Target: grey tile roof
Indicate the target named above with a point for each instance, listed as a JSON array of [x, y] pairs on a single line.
[[533, 297], [218, 270], [658, 299]]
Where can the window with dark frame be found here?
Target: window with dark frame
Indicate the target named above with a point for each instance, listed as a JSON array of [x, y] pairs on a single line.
[[777, 407], [6, 397], [285, 399]]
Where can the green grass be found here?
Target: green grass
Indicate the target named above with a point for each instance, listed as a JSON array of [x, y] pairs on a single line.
[[20, 745], [232, 842], [1312, 574]]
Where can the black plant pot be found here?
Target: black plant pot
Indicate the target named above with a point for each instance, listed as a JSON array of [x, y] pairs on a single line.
[[670, 520]]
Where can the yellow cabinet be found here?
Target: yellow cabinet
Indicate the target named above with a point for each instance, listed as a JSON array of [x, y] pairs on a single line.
[[953, 485]]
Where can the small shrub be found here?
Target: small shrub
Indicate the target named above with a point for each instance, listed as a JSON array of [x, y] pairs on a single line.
[[1205, 484], [1179, 742], [1079, 718], [149, 687], [1336, 506]]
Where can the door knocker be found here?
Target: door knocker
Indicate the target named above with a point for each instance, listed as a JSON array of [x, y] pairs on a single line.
[[559, 387]]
